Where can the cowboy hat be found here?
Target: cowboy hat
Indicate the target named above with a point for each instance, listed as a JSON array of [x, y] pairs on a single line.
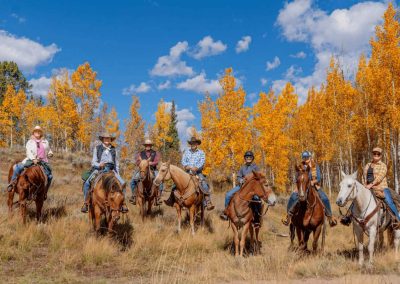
[[194, 140], [148, 142], [377, 149], [38, 129], [106, 135]]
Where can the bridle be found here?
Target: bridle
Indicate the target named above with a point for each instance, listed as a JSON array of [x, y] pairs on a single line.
[[350, 193], [251, 200], [162, 180]]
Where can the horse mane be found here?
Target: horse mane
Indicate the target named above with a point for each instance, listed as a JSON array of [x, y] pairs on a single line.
[[110, 183]]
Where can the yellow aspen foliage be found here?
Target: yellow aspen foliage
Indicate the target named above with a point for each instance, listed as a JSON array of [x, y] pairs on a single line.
[[134, 131], [112, 124], [161, 126], [86, 88]]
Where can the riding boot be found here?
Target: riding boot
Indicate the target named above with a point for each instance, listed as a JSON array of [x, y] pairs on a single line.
[[223, 216], [85, 208], [256, 215], [133, 199], [287, 219], [209, 204], [346, 219], [11, 186], [171, 199], [124, 208], [332, 221]]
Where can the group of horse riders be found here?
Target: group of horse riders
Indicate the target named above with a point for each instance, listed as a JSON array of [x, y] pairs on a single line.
[[105, 159]]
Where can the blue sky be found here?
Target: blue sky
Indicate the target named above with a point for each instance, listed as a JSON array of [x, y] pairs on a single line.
[[176, 50]]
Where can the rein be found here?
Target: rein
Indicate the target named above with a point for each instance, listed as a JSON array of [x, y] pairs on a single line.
[[251, 200]]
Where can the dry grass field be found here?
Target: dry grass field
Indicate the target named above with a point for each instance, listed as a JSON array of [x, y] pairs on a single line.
[[63, 249]]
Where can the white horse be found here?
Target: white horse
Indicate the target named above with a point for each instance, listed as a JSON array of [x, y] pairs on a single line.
[[367, 217]]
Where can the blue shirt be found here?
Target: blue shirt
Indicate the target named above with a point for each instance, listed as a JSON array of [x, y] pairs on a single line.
[[318, 171], [245, 170], [194, 159], [106, 158]]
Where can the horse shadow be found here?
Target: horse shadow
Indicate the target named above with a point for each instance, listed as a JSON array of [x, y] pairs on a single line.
[[122, 233], [208, 225], [248, 249], [57, 211]]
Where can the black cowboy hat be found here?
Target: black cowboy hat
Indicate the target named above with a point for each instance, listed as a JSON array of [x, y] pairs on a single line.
[[194, 140]]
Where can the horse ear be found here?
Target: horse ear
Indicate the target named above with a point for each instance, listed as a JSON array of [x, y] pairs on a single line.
[[342, 174], [256, 175], [354, 175]]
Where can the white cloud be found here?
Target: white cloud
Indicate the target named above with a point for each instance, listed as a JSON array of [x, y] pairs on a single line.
[[293, 72], [208, 47], [300, 54], [164, 86], [344, 33], [18, 17], [184, 114], [263, 82], [132, 89], [200, 84], [28, 54], [172, 65], [274, 64], [243, 44], [40, 86]]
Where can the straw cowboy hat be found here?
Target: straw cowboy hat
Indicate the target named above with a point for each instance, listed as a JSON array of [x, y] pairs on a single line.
[[37, 128], [194, 140], [148, 142], [106, 135], [377, 149]]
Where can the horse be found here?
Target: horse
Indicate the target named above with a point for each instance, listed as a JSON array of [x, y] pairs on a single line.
[[241, 215], [106, 199], [187, 193], [310, 214], [146, 191], [31, 185], [367, 214]]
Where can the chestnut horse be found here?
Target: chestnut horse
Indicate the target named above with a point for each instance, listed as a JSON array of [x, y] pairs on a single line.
[[310, 214], [187, 193], [30, 185], [146, 190], [106, 198], [241, 215]]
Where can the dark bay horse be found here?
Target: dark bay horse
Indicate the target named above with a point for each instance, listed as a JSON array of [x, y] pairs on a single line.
[[146, 190], [187, 193], [241, 215], [310, 214], [31, 185], [106, 199]]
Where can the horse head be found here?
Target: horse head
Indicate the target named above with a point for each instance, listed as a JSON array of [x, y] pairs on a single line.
[[115, 197], [263, 189], [302, 181], [144, 168], [348, 189], [163, 173]]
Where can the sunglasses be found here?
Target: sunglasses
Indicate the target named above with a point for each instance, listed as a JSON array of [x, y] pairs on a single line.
[[376, 153]]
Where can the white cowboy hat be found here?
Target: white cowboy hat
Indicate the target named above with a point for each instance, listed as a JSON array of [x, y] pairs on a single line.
[[38, 129], [106, 135], [148, 142]]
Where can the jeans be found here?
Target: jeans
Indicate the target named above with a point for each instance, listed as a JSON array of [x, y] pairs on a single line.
[[19, 168], [294, 198], [17, 171], [203, 182], [229, 195], [390, 203], [136, 178]]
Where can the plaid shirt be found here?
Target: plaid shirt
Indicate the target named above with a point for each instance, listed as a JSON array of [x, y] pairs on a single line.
[[380, 170], [194, 159]]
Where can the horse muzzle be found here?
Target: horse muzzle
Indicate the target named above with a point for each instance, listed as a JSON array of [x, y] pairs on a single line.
[[340, 202]]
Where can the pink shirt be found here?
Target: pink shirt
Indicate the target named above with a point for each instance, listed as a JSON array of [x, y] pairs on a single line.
[[41, 154]]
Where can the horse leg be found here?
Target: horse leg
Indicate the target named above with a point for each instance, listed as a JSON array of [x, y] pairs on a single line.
[[396, 241], [192, 212], [300, 237], [22, 206], [140, 203], [292, 231], [179, 212], [316, 235], [97, 217], [202, 215], [10, 201], [252, 243], [306, 237], [360, 243], [258, 242], [243, 237], [235, 238], [371, 244], [39, 206], [149, 203]]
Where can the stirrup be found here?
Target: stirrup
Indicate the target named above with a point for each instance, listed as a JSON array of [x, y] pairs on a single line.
[[286, 221], [345, 220], [223, 216], [85, 208], [133, 199], [332, 221]]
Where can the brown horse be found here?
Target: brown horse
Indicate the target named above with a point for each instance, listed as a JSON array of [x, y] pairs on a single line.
[[309, 216], [30, 186], [241, 215], [106, 199], [187, 193], [146, 190]]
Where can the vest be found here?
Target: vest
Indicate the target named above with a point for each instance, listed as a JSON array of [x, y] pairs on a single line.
[[152, 157], [100, 150], [370, 175]]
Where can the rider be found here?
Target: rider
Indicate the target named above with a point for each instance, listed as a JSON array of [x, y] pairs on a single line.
[[154, 156], [37, 151], [246, 169], [374, 177], [193, 161], [315, 176], [104, 160]]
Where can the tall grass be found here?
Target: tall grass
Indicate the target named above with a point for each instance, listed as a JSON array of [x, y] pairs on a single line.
[[64, 248]]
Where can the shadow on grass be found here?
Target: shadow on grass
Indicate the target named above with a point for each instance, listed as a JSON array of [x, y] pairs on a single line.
[[122, 232], [57, 211], [208, 225]]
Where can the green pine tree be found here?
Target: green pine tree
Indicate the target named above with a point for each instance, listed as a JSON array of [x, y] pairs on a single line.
[[172, 148], [11, 75]]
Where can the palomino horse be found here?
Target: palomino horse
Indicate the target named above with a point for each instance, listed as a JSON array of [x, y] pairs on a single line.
[[310, 214], [106, 199], [241, 215], [368, 217], [187, 193], [146, 191], [30, 185]]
